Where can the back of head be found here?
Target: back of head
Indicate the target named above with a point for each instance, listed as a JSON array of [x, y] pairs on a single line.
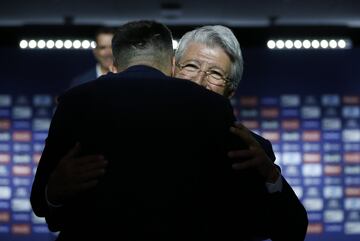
[[216, 36], [142, 42]]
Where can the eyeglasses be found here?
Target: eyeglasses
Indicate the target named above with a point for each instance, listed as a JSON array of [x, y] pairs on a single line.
[[212, 76]]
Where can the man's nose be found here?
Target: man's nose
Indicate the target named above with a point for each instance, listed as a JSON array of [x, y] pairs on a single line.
[[200, 78]]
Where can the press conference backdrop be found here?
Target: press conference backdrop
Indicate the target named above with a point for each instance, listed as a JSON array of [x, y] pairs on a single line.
[[307, 103]]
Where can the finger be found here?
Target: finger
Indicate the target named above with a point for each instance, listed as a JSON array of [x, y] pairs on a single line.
[[242, 166], [93, 165], [245, 135], [90, 175], [241, 154], [73, 152], [85, 186], [86, 160]]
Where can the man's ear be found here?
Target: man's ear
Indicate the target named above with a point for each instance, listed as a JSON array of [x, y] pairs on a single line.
[[173, 67], [113, 69]]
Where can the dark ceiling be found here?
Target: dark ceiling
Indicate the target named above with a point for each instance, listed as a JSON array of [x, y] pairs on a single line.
[[258, 18]]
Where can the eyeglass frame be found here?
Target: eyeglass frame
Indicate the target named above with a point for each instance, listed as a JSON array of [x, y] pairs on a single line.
[[226, 81]]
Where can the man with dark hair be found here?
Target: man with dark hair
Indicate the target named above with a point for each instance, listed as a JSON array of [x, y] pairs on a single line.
[[162, 140], [103, 55]]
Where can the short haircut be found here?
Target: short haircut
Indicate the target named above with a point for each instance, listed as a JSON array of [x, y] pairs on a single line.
[[145, 40], [216, 36], [104, 30]]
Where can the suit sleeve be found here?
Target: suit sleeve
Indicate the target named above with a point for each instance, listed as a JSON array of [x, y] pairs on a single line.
[[287, 217], [60, 139]]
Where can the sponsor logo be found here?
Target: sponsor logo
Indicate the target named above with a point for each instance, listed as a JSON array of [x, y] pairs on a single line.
[[332, 136], [333, 216], [328, 146], [291, 171], [352, 228], [21, 112], [21, 217], [291, 158], [351, 100], [17, 147], [22, 136], [352, 203], [291, 147], [21, 229], [311, 147], [352, 191], [21, 159], [313, 204], [42, 100], [332, 181], [334, 228], [5, 193], [5, 136], [311, 136], [4, 158], [311, 124], [269, 112], [351, 112], [5, 113], [311, 181], [330, 100], [5, 124], [22, 124], [312, 157], [290, 113], [4, 170], [332, 170], [310, 112], [21, 170], [351, 135], [248, 113], [312, 170], [41, 124], [248, 101], [352, 157], [331, 124], [4, 147], [271, 135], [5, 100], [352, 147], [20, 205], [290, 100], [22, 181], [352, 170], [290, 124], [333, 192], [290, 136], [332, 158], [269, 101], [270, 124], [315, 228], [4, 217]]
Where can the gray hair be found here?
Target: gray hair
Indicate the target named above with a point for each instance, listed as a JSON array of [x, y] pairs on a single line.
[[219, 36]]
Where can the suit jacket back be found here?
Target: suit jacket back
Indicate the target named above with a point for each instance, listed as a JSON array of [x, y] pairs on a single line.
[[166, 141]]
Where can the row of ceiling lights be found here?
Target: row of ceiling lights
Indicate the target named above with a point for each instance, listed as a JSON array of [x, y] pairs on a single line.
[[271, 44]]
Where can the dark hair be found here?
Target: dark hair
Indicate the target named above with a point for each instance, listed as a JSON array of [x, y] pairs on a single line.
[[103, 30], [141, 39]]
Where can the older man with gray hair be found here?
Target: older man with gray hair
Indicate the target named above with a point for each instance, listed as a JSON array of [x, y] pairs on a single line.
[[211, 57]]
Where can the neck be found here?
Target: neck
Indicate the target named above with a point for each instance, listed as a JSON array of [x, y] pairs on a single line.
[[165, 69]]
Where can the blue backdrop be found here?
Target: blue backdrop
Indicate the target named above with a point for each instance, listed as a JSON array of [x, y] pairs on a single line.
[[306, 102]]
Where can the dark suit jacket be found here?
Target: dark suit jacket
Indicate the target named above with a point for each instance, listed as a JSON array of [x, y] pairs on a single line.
[[168, 176], [85, 77]]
